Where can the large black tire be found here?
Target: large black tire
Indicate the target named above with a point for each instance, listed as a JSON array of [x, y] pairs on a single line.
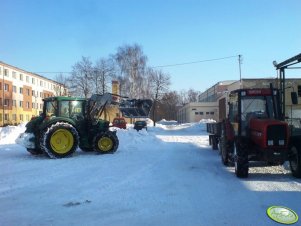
[[223, 148], [241, 162], [295, 160], [214, 143], [105, 143], [59, 140], [34, 151]]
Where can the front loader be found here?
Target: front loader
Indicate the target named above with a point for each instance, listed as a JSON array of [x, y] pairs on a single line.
[[70, 122]]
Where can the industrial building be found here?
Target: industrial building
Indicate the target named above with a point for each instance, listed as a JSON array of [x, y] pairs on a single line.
[[210, 101]]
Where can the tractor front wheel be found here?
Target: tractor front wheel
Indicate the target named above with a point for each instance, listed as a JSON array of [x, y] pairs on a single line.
[[241, 162], [295, 160], [59, 140], [105, 143]]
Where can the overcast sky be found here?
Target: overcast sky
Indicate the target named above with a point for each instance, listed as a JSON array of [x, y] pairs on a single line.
[[51, 36]]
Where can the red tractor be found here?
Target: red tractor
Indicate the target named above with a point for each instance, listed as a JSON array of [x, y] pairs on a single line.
[[253, 131]]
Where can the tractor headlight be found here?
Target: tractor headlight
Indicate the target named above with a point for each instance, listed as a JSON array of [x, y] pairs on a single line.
[[270, 142]]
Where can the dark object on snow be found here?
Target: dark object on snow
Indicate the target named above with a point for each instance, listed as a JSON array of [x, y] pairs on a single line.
[[139, 125]]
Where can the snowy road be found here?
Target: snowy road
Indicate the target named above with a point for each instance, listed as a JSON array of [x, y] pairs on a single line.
[[166, 176]]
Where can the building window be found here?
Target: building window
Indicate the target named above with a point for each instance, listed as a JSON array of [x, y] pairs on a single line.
[[41, 106], [27, 117], [0, 117], [196, 113], [14, 74], [6, 102], [207, 113], [27, 79], [41, 95], [5, 72], [41, 83], [14, 103], [21, 103], [14, 117], [21, 77], [28, 92], [32, 80], [14, 89], [21, 117], [6, 87], [201, 113], [211, 113], [193, 109], [21, 90], [33, 106], [0, 85], [27, 105], [6, 117]]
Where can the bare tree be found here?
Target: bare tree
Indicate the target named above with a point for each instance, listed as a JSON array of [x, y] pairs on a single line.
[[131, 63], [60, 88], [170, 102], [183, 97], [159, 86], [81, 78], [102, 75], [193, 95]]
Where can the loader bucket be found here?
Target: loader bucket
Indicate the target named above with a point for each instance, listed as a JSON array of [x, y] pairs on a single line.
[[135, 108]]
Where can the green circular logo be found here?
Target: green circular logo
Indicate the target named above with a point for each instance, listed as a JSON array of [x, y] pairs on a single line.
[[282, 214]]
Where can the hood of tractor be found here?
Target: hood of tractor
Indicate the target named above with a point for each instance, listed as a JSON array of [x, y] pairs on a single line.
[[269, 133]]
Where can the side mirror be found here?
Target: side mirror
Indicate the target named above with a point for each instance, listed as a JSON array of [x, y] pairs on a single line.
[[294, 98]]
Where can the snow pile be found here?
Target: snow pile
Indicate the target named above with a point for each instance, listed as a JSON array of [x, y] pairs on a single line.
[[165, 122], [9, 134]]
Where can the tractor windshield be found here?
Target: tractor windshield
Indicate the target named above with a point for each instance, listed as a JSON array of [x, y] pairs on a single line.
[[255, 107], [71, 108]]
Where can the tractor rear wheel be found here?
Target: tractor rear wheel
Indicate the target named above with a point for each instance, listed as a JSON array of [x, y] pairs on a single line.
[[241, 162], [106, 142], [295, 160], [59, 140]]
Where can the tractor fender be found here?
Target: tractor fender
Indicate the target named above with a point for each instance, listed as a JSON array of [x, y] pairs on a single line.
[[54, 120]]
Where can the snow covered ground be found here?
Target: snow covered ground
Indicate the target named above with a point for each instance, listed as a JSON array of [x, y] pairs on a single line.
[[167, 175]]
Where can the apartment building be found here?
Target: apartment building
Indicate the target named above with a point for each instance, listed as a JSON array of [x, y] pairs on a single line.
[[22, 92]]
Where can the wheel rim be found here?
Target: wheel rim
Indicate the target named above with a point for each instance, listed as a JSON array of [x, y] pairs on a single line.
[[105, 144], [61, 141], [294, 158]]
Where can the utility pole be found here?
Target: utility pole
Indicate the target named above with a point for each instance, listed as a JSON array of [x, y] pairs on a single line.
[[239, 64]]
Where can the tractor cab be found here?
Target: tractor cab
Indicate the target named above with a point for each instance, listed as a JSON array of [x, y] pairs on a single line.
[[246, 105]]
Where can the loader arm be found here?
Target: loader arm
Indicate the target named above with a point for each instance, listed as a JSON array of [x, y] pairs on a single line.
[[130, 108]]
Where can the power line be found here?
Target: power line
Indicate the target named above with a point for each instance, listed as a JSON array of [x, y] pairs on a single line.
[[159, 66], [195, 62]]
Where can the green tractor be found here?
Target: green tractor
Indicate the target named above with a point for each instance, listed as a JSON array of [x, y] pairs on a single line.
[[70, 122]]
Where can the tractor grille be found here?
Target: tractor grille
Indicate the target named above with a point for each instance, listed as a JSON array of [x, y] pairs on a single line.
[[276, 135]]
